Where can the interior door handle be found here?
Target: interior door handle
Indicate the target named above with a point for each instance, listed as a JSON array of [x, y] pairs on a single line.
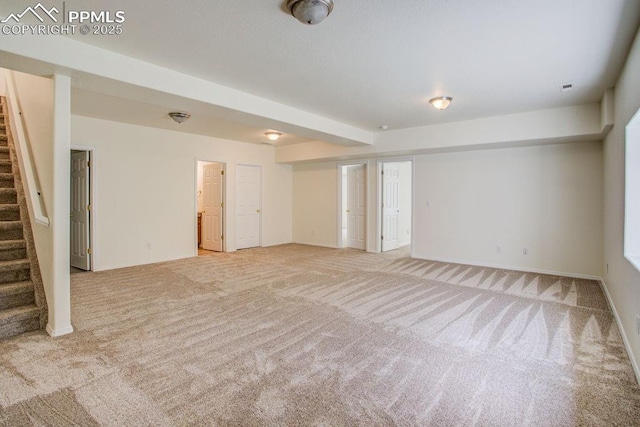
[[348, 211], [258, 210]]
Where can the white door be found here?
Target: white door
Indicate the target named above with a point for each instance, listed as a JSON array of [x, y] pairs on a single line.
[[212, 187], [356, 207], [79, 228], [390, 206], [248, 206]]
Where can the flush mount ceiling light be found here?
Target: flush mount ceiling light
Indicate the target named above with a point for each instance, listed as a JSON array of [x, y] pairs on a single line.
[[178, 116], [310, 12], [273, 136], [441, 102]]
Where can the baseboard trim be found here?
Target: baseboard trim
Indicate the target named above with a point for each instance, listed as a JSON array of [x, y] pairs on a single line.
[[625, 339], [509, 267], [316, 244], [59, 332]]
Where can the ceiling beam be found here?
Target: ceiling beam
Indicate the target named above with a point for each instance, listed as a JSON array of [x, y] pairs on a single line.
[[100, 70]]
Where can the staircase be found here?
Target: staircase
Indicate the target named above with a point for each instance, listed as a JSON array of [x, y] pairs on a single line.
[[19, 312]]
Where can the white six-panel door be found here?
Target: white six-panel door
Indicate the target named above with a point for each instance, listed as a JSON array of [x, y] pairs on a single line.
[[390, 206], [248, 206], [79, 227], [356, 207], [212, 188]]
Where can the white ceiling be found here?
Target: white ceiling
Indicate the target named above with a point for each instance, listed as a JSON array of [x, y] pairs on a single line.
[[378, 62]]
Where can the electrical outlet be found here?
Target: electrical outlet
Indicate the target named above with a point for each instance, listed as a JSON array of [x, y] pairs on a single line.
[[525, 251], [498, 249]]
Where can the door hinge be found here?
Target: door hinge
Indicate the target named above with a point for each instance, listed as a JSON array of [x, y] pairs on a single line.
[[88, 207], [222, 204], [221, 172], [89, 251], [382, 172], [89, 163], [381, 237], [222, 237]]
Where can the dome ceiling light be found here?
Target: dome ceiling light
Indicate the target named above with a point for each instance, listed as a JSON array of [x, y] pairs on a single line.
[[441, 102], [179, 116], [273, 136], [310, 12]]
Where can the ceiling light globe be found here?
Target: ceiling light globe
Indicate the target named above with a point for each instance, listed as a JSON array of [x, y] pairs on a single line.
[[179, 116], [310, 12], [441, 102], [273, 136]]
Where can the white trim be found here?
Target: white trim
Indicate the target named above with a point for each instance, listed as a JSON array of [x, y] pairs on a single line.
[[59, 332], [314, 244], [623, 333], [508, 267]]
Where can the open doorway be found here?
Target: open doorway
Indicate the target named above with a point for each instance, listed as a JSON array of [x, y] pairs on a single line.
[[80, 211], [210, 207], [396, 207], [352, 218]]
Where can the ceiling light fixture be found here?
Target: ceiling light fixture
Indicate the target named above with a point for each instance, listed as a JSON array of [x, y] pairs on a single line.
[[441, 102], [179, 117], [310, 12], [273, 136]]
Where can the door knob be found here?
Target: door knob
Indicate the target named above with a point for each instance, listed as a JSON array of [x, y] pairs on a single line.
[[348, 211], [258, 210]]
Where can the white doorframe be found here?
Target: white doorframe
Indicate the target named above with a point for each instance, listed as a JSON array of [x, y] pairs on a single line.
[[341, 187], [92, 202], [224, 201], [235, 190], [378, 209]]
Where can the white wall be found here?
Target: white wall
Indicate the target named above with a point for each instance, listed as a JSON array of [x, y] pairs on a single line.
[[547, 199], [144, 181], [2, 81], [404, 219], [315, 204], [622, 279]]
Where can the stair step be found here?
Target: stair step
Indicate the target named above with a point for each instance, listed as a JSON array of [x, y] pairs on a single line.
[[11, 230], [16, 295], [9, 213], [5, 166], [14, 271], [4, 153], [15, 321], [8, 196], [11, 250], [6, 180]]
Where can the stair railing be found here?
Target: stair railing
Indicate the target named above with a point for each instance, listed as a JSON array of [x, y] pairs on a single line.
[[27, 168]]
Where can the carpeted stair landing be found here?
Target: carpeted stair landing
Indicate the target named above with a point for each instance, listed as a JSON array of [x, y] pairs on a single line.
[[18, 310]]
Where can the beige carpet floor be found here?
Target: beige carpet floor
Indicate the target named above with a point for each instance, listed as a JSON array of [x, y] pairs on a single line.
[[298, 335]]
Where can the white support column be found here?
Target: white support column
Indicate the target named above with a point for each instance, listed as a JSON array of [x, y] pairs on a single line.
[[60, 301]]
